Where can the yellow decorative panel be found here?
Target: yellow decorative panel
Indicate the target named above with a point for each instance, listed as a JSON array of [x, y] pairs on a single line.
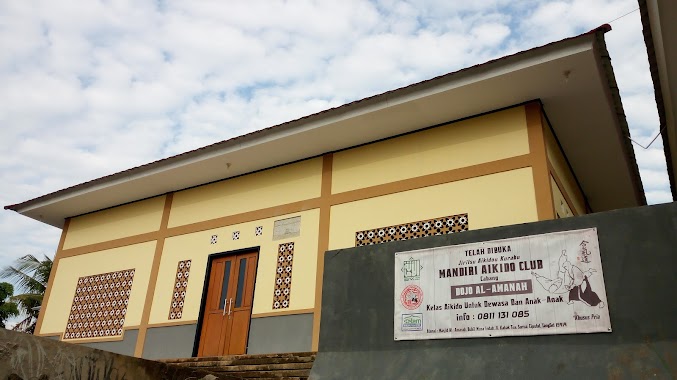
[[269, 188], [492, 200], [559, 164], [180, 287], [138, 257], [283, 276], [114, 223], [414, 230], [100, 305], [464, 143], [198, 246]]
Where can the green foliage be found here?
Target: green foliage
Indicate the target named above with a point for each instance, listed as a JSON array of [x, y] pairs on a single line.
[[8, 308], [31, 276]]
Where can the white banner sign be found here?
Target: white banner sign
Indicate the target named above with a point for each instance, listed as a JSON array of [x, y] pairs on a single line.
[[531, 285]]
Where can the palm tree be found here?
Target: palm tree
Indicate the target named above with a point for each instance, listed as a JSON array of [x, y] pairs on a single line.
[[31, 276]]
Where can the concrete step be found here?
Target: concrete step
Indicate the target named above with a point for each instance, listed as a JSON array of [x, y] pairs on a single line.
[[223, 363], [253, 367], [268, 374], [291, 366], [241, 357]]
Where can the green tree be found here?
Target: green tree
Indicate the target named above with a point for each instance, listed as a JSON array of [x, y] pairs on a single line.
[[30, 276], [8, 308]]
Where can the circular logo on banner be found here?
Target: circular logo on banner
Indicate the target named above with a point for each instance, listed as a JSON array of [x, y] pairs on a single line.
[[411, 297]]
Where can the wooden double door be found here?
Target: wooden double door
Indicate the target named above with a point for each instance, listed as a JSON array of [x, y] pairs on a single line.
[[228, 306]]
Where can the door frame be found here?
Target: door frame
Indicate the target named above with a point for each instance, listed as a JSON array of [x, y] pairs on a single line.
[[205, 289]]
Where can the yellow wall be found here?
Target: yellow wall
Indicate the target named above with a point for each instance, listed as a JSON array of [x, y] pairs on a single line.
[[562, 207], [273, 187], [493, 200], [559, 164], [138, 256], [114, 223], [197, 247], [469, 142]]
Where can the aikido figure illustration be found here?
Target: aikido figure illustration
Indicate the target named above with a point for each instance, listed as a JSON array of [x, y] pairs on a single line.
[[573, 280]]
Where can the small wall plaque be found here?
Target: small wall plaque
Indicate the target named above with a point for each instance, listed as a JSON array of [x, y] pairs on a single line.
[[287, 228]]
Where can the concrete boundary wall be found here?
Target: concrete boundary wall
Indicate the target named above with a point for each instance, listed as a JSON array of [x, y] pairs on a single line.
[[24, 356], [639, 257]]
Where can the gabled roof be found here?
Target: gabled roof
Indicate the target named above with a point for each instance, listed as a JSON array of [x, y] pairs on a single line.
[[583, 106]]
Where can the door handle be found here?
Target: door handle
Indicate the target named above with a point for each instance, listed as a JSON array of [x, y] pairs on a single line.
[[225, 303], [230, 306]]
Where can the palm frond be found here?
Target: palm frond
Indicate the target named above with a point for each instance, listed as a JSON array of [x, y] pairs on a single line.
[[44, 269], [27, 302], [26, 325], [27, 262], [27, 297], [22, 279]]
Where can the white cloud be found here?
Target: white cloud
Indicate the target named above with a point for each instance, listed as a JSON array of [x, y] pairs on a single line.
[[658, 196], [652, 158], [557, 19], [94, 87]]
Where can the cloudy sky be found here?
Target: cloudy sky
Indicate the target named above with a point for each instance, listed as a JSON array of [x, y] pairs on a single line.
[[89, 88]]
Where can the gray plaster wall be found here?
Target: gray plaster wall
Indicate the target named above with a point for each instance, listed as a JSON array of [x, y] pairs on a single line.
[[287, 333], [169, 342], [123, 347], [639, 255]]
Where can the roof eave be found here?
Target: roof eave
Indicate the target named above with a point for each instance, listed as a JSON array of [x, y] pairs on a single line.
[[621, 121], [658, 93]]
